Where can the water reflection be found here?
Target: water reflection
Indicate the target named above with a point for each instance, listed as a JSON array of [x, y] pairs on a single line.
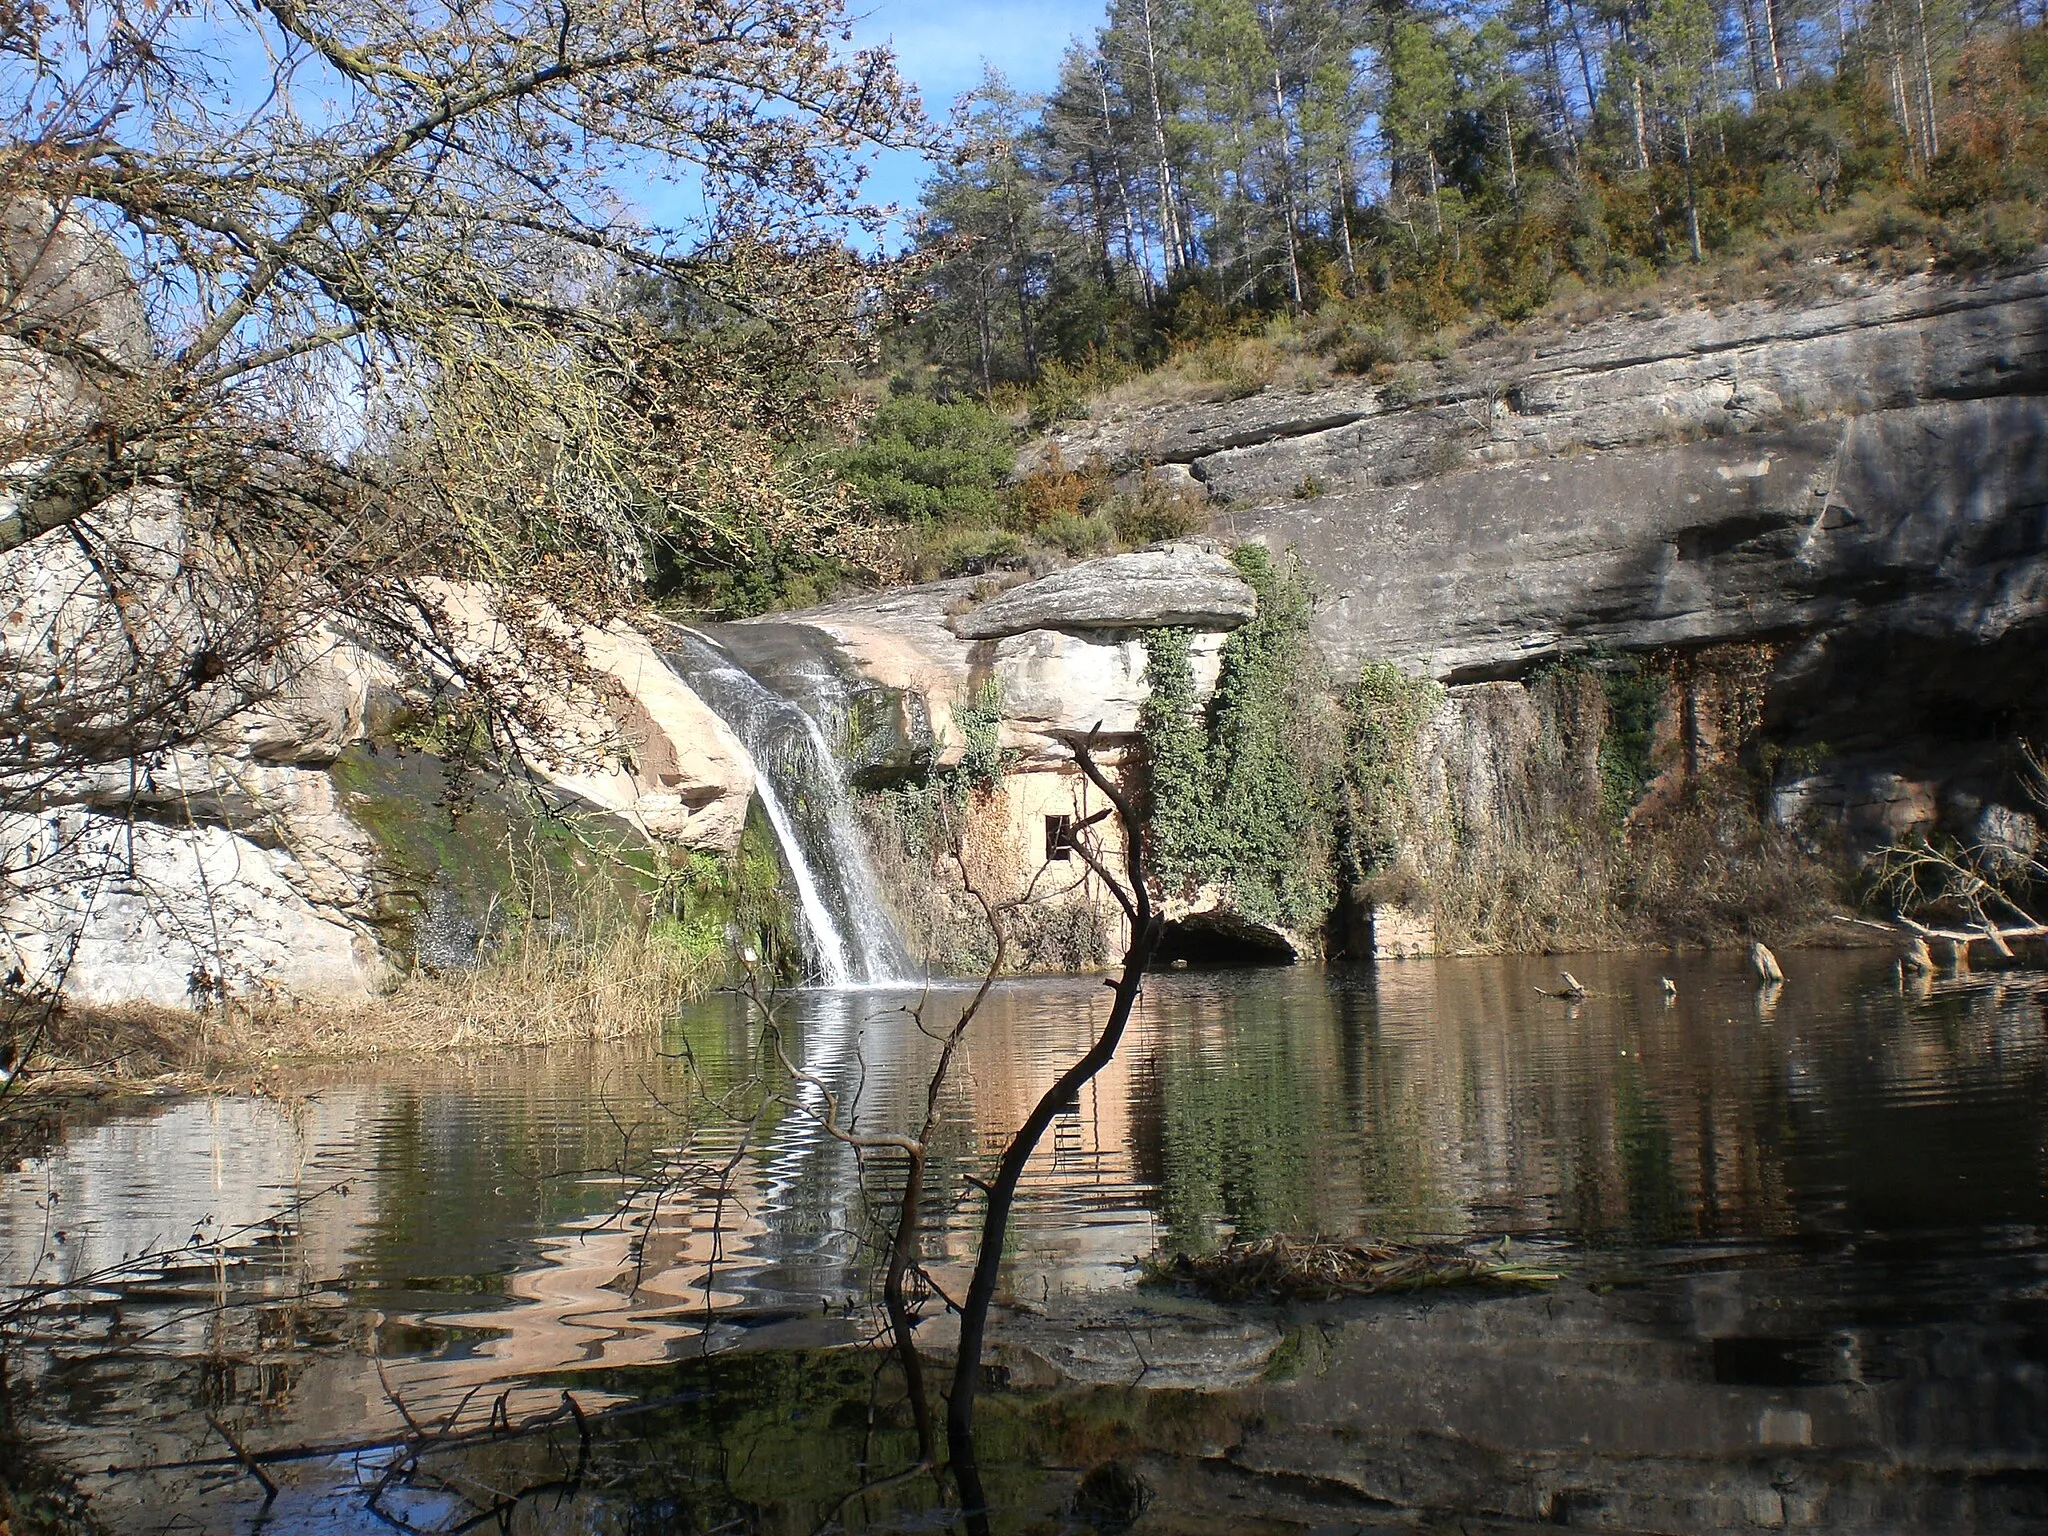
[[585, 1212]]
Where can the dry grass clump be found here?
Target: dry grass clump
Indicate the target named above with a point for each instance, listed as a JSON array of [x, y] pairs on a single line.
[[536, 988], [78, 1045], [1324, 1269]]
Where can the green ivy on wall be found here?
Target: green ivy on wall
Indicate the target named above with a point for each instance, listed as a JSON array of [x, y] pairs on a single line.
[[1239, 798], [1635, 702], [1384, 715], [981, 734]]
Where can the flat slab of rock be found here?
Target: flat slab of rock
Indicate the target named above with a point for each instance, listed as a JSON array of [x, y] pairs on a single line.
[[1181, 586]]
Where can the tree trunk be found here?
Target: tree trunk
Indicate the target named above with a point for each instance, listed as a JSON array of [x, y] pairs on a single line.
[[1287, 208], [1900, 107], [1344, 224], [1560, 104], [1146, 928], [1134, 244], [1571, 13], [1020, 273], [984, 326], [1097, 200], [1507, 137], [1637, 116], [1754, 49], [1933, 138], [1169, 218], [1692, 202]]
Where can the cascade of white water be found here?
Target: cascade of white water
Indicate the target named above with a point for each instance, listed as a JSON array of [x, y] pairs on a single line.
[[803, 792], [829, 948]]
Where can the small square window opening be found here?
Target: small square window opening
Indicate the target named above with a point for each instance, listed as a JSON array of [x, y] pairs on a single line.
[[1059, 838]]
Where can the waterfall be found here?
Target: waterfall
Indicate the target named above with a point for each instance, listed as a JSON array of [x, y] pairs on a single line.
[[803, 792]]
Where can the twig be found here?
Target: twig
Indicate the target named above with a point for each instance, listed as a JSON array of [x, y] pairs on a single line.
[[247, 1462]]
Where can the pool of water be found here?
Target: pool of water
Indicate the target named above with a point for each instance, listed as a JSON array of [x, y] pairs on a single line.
[[1802, 1232]]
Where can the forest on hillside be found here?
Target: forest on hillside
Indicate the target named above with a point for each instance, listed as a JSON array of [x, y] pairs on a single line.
[[1383, 171], [1225, 196]]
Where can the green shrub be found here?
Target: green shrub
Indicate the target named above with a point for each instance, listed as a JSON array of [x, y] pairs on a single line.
[[1079, 537], [1061, 394], [1635, 702], [922, 460], [967, 552], [1155, 512], [1990, 236], [1384, 714], [1177, 752], [980, 723]]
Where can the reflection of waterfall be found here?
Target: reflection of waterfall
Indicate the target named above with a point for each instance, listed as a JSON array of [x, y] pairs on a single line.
[[802, 786]]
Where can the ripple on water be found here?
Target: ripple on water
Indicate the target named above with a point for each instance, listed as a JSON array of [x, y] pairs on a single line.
[[1842, 1183]]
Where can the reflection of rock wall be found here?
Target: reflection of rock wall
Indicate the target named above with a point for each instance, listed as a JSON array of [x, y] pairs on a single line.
[[220, 1167], [1740, 1400]]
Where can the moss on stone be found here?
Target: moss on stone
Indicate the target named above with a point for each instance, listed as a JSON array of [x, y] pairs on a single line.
[[460, 864]]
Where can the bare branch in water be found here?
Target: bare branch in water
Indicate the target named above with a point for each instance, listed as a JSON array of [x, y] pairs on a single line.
[[1146, 927]]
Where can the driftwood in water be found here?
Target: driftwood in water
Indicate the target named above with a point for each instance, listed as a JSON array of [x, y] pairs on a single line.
[[1324, 1269], [1766, 966], [1916, 939], [1573, 990]]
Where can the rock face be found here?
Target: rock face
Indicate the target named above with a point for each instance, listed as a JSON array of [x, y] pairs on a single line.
[[67, 282], [1920, 521], [245, 862], [640, 745], [1063, 657], [1182, 585], [1849, 474], [175, 826], [1836, 343]]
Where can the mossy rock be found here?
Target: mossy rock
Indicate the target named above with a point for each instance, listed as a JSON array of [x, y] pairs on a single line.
[[888, 737], [461, 858]]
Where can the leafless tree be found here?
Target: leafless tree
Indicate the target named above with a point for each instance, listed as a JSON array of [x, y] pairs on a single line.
[[391, 299]]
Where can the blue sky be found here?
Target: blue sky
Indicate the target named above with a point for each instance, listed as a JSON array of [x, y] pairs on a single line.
[[941, 44]]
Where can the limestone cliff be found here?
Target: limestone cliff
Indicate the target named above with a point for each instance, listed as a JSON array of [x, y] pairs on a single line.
[[1852, 477], [1817, 522], [1814, 526]]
